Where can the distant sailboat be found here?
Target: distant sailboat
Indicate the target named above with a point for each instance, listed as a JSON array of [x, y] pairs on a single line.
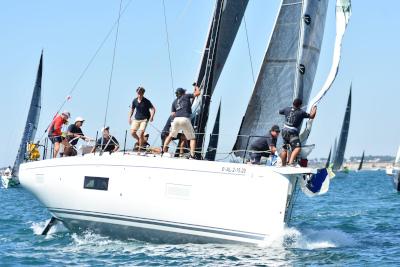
[[341, 147], [328, 161], [361, 162], [11, 178]]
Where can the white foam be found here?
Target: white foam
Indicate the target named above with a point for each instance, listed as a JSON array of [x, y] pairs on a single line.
[[316, 239]]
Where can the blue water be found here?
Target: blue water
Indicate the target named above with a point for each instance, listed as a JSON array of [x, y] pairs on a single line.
[[356, 223]]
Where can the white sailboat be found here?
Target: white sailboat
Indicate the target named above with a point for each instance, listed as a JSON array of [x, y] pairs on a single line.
[[175, 200]]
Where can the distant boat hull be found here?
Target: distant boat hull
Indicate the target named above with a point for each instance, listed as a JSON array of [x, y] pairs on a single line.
[[8, 180], [165, 199]]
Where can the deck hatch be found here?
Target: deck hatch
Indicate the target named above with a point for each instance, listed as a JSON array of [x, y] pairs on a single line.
[[97, 183]]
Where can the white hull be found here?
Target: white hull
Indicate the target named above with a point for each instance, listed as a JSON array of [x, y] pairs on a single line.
[[165, 199]]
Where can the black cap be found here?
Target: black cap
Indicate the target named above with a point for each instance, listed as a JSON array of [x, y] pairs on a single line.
[[275, 128], [180, 91]]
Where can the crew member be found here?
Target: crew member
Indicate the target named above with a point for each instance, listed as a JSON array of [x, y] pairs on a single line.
[[264, 146], [74, 133], [54, 130], [290, 133], [107, 142], [182, 111], [144, 113]]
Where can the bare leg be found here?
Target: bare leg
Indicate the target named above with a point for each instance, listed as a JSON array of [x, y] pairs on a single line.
[[56, 149], [166, 143], [192, 147], [283, 156], [134, 135], [294, 154], [141, 140]]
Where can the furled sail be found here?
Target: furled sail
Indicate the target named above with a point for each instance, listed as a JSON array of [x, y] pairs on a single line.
[[32, 119], [361, 162], [213, 143], [224, 26], [288, 68], [341, 147], [343, 13]]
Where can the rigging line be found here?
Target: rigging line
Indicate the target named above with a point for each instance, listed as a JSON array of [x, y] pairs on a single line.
[[169, 49], [248, 49], [87, 67], [112, 65]]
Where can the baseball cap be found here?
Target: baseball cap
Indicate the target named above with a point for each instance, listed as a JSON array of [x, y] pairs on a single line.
[[79, 119], [275, 128], [180, 91], [66, 113]]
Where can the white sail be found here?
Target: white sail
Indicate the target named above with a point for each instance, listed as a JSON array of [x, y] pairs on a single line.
[[397, 160], [343, 13]]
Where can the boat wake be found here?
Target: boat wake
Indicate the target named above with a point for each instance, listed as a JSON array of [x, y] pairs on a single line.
[[313, 239]]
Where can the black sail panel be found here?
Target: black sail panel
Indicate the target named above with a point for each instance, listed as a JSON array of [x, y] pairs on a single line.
[[32, 119], [213, 143], [225, 24], [341, 147]]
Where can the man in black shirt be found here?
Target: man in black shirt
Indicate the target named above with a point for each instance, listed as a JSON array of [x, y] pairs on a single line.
[[107, 142], [294, 117], [144, 113], [74, 133], [182, 111], [264, 146]]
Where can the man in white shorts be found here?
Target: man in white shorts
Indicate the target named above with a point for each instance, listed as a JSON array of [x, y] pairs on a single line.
[[182, 111], [144, 112]]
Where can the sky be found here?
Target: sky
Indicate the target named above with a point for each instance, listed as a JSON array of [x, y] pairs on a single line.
[[71, 31]]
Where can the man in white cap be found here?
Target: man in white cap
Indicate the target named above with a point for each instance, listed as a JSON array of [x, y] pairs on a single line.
[[54, 131], [74, 133]]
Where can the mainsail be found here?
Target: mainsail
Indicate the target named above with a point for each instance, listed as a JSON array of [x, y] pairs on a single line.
[[343, 13], [32, 119], [288, 69], [397, 160], [225, 24], [341, 148], [361, 162], [213, 143]]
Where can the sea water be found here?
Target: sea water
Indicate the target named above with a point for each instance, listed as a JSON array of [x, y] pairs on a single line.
[[357, 223]]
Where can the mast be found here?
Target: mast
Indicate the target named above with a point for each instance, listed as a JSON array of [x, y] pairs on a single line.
[[288, 68], [225, 24], [32, 119], [361, 162], [213, 143], [341, 148]]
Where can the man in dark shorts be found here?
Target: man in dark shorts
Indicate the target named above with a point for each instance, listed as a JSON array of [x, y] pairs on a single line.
[[182, 111], [290, 133], [107, 142], [144, 113], [54, 131], [264, 146], [74, 133]]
